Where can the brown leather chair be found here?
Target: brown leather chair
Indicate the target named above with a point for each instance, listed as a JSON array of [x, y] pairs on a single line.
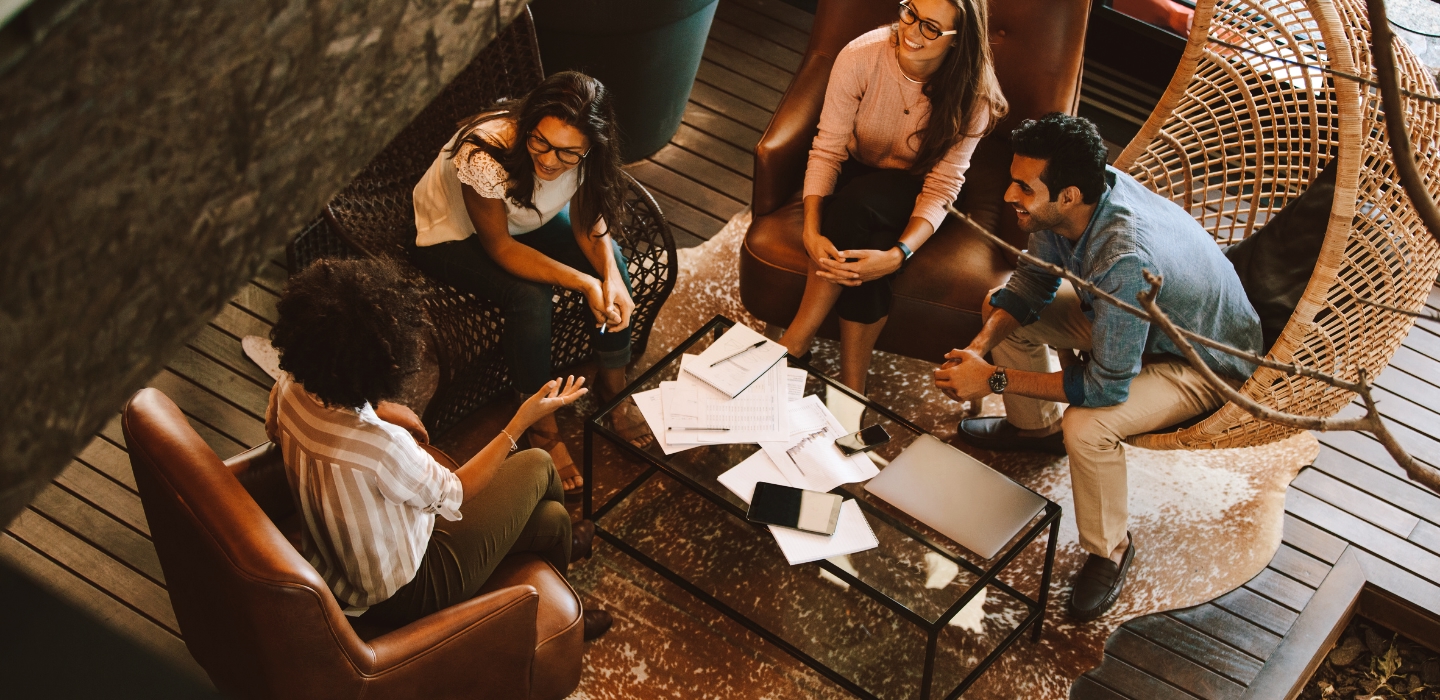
[[1038, 47], [262, 623]]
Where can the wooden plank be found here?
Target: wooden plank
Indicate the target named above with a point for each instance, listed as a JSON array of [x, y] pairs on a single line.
[[106, 458], [226, 350], [1363, 534], [104, 532], [767, 74], [1281, 589], [757, 118], [239, 427], [721, 127], [1327, 488], [1424, 341], [781, 12], [113, 431], [271, 276], [108, 611], [106, 495], [1257, 609], [221, 381], [1086, 689], [1362, 447], [1196, 646], [762, 26], [737, 187], [1169, 666], [1130, 682], [1312, 540], [1419, 445], [1300, 566], [257, 302], [683, 216], [1414, 364], [1400, 493], [755, 93], [716, 151], [238, 323], [659, 178], [93, 565], [1400, 408], [1426, 535], [781, 57], [1230, 628]]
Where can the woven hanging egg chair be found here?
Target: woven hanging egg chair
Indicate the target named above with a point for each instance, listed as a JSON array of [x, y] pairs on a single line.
[[1237, 136]]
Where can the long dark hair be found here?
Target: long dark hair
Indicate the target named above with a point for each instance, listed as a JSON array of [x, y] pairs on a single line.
[[964, 83], [580, 101]]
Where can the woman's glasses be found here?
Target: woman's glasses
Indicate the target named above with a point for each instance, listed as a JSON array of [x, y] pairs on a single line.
[[568, 156], [928, 29]]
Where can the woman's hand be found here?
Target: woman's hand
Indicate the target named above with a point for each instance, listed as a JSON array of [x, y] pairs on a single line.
[[549, 399], [597, 299], [867, 265], [617, 300], [401, 415], [819, 248]]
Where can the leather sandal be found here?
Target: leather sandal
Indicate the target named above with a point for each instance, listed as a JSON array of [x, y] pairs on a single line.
[[998, 435], [582, 540], [1098, 584], [560, 455]]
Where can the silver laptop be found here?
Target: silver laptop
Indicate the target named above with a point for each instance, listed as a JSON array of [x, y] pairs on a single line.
[[978, 507]]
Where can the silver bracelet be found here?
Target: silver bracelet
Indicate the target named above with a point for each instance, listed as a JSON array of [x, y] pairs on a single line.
[[513, 445]]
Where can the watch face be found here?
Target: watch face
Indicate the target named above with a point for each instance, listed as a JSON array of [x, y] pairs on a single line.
[[998, 381]]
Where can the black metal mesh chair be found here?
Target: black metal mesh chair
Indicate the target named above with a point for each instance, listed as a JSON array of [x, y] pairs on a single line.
[[374, 217]]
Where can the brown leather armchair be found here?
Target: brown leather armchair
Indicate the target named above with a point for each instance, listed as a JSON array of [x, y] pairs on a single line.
[[1038, 46], [262, 623]]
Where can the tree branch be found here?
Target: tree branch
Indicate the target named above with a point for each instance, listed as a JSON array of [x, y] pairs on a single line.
[[1401, 149], [1423, 314]]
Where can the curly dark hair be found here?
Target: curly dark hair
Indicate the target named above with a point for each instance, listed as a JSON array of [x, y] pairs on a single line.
[[580, 101], [350, 331], [1073, 151]]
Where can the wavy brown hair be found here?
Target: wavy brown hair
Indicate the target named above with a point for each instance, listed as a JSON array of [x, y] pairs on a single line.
[[964, 84], [580, 101]]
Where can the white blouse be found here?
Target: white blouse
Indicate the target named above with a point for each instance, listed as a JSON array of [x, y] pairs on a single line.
[[440, 213]]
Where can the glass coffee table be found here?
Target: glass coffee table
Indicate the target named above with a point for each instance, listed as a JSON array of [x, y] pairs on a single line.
[[880, 626]]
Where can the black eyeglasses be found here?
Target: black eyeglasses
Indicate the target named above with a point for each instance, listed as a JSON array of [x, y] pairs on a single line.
[[568, 156], [928, 29]]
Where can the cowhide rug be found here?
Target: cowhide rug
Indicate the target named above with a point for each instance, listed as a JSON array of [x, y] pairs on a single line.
[[1203, 522]]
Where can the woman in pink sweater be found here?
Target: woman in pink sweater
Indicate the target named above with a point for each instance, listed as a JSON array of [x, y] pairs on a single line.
[[904, 108]]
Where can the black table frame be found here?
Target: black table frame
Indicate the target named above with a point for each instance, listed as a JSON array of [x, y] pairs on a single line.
[[987, 577]]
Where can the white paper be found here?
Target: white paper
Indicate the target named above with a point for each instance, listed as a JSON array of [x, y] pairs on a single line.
[[795, 383], [819, 465], [757, 415], [650, 408], [852, 531], [735, 374]]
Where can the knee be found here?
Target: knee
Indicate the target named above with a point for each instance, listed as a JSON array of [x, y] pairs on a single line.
[[528, 300], [1085, 430]]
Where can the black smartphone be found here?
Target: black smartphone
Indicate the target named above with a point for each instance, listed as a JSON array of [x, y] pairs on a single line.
[[797, 509], [863, 441]]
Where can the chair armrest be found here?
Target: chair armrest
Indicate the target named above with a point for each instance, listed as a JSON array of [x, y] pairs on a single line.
[[485, 642], [261, 470], [781, 154]]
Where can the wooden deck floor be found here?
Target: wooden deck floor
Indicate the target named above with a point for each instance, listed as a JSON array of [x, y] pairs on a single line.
[[85, 536]]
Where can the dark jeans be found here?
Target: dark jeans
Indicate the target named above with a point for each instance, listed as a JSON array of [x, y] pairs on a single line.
[[868, 211], [526, 306], [522, 509]]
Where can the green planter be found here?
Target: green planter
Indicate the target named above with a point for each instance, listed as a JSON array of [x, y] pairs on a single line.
[[645, 51]]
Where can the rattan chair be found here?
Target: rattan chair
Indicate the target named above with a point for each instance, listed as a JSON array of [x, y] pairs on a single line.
[[374, 217], [1236, 136]]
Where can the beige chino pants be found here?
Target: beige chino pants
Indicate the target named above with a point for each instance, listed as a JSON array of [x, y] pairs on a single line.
[[1164, 393]]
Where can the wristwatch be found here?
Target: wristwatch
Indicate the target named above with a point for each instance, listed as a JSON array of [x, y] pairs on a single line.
[[998, 381], [905, 251]]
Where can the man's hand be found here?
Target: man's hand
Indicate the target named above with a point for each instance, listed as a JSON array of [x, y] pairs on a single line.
[[401, 415], [965, 376], [619, 305], [867, 265]]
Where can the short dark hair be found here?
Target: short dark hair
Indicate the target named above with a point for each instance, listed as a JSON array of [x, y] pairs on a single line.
[[350, 330], [1073, 151]]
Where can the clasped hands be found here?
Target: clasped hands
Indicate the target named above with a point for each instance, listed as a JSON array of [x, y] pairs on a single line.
[[610, 302], [850, 268], [965, 376]]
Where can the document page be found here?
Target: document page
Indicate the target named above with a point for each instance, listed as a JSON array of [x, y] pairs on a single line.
[[695, 413], [736, 360], [809, 459], [852, 532]]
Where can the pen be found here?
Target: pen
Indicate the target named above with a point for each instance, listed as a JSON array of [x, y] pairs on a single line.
[[679, 429], [735, 355]]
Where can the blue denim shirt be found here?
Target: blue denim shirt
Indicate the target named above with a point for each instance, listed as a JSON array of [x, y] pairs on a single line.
[[1134, 229]]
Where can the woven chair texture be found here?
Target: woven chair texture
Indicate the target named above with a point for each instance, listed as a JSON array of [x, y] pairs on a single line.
[[374, 216], [1236, 136]]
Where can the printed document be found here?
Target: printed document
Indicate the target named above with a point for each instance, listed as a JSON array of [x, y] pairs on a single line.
[[735, 361], [809, 459], [695, 413], [852, 532]]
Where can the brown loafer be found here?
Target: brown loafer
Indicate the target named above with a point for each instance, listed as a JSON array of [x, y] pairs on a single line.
[[1098, 584], [597, 622], [582, 540]]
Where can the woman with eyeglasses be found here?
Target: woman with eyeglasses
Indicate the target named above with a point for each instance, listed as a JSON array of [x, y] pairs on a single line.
[[904, 109], [517, 203]]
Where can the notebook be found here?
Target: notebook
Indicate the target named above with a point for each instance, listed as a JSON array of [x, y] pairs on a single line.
[[732, 363]]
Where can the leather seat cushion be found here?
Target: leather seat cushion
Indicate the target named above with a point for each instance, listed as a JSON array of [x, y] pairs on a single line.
[[940, 291], [559, 627]]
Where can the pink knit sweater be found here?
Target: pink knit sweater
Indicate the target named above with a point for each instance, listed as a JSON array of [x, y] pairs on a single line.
[[864, 118]]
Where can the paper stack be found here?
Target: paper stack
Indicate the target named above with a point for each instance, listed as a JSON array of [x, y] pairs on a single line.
[[852, 532]]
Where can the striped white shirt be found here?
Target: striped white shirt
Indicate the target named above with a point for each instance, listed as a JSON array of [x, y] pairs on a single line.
[[366, 490]]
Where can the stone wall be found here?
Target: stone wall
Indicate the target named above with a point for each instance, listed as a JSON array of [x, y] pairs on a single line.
[[154, 152]]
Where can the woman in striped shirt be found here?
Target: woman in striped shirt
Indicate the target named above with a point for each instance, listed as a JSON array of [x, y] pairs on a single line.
[[348, 335], [905, 106]]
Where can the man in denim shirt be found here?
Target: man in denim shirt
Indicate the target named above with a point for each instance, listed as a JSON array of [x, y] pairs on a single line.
[[1103, 226]]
